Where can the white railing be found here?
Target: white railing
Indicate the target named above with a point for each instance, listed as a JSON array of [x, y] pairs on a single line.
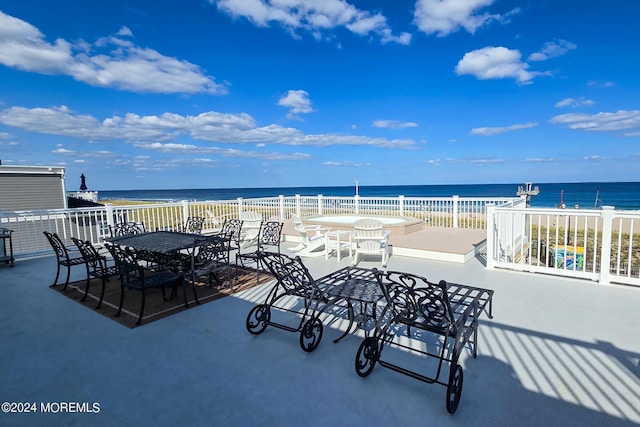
[[93, 223], [599, 245]]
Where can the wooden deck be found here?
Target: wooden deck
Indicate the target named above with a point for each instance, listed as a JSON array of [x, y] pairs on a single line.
[[433, 243]]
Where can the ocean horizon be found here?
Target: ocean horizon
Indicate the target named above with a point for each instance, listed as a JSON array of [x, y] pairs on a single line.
[[585, 195]]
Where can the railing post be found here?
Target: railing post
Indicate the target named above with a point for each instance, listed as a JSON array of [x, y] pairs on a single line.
[[356, 204], [185, 211], [319, 204], [240, 208], [605, 253], [108, 207], [490, 209], [281, 204], [298, 207], [401, 203], [455, 211]]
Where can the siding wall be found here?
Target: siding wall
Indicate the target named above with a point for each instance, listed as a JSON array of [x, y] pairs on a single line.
[[24, 191]]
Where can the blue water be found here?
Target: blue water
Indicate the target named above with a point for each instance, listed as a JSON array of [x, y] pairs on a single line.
[[622, 195]]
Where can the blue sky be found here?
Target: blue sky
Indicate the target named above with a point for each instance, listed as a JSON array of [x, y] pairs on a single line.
[[268, 93]]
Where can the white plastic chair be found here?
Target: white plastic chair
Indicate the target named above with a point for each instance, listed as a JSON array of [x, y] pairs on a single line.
[[312, 244], [250, 228], [370, 239]]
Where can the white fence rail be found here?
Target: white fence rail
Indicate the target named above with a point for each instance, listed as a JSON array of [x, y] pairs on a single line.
[[93, 223], [599, 245]]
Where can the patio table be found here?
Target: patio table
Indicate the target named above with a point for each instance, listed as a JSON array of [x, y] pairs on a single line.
[[333, 241], [160, 242], [353, 285]]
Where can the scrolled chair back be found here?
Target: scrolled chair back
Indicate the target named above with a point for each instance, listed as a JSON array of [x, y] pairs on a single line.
[[291, 274], [194, 225], [212, 248], [127, 229], [232, 229], [90, 254], [57, 245], [126, 259], [270, 233], [414, 300]]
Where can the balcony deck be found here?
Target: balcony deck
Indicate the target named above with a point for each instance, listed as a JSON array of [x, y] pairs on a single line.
[[558, 352]]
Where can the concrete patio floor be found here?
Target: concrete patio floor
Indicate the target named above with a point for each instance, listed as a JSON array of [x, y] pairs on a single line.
[[558, 352]]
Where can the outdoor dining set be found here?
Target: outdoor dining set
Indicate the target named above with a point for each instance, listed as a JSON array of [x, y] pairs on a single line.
[[392, 310]]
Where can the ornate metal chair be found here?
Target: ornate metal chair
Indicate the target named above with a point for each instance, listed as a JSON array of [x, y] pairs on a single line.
[[97, 266], [64, 256], [445, 317], [292, 280], [269, 238], [193, 225], [135, 276], [126, 229], [209, 256], [232, 231]]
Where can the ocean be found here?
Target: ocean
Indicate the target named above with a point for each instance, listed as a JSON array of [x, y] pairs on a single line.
[[586, 195]]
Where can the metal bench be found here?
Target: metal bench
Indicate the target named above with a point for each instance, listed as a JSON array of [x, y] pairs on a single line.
[[448, 312]]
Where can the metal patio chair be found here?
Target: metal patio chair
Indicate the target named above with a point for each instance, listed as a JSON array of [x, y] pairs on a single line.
[[97, 266], [135, 276], [446, 312], [193, 225], [292, 280], [207, 257], [64, 257], [269, 238], [126, 229], [232, 230]]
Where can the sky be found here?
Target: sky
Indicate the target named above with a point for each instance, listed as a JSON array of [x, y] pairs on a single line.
[[139, 94]]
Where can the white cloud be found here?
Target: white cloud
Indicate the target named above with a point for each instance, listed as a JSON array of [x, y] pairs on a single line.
[[124, 32], [128, 67], [542, 160], [495, 63], [443, 17], [297, 101], [600, 122], [346, 163], [394, 124], [572, 102], [211, 126], [600, 84], [488, 131], [552, 49], [315, 17]]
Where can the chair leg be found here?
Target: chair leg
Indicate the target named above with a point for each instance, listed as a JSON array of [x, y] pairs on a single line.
[[86, 288], [121, 299], [193, 287], [55, 282], [66, 282], [184, 292], [142, 307], [104, 284]]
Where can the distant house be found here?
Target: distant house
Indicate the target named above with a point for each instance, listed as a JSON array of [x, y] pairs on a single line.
[[32, 188]]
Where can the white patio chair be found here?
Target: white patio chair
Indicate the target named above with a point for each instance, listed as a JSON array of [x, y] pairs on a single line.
[[370, 239], [311, 244], [251, 221]]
